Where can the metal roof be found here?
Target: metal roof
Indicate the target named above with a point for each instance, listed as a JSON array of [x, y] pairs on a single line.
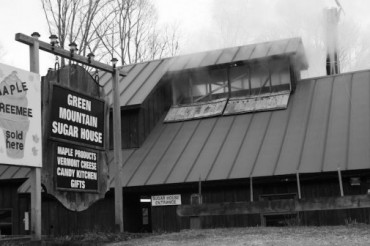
[[325, 127], [143, 77], [292, 46], [14, 172]]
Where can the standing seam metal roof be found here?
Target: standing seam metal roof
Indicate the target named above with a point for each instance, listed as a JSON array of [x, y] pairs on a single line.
[[143, 77], [325, 127], [14, 172]]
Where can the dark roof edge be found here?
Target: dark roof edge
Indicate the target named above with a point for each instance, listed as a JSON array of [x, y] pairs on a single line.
[[219, 49], [127, 107], [132, 64], [265, 179], [251, 61]]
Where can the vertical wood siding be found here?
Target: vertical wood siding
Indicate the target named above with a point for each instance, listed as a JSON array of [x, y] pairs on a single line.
[[138, 122], [9, 199], [57, 220]]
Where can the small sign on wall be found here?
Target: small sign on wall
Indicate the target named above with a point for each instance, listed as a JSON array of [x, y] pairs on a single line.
[[166, 200]]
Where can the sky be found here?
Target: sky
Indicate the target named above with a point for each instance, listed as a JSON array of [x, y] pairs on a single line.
[[21, 16], [213, 24]]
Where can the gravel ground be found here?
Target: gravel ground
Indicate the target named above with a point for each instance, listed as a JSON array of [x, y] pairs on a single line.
[[281, 236]]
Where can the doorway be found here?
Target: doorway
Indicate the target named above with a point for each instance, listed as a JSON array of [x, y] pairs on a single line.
[[146, 214]]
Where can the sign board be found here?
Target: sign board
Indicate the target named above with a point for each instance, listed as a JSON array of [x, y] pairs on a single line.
[[196, 110], [20, 117], [76, 168], [77, 117], [257, 103], [166, 200]]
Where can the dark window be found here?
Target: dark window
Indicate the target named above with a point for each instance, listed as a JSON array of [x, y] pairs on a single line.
[[5, 222], [145, 212], [281, 219]]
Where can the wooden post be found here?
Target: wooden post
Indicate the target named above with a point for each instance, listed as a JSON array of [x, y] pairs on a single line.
[[210, 90], [174, 96], [118, 199], [249, 80], [251, 188], [35, 177], [228, 82], [191, 89], [340, 182], [298, 186], [200, 186]]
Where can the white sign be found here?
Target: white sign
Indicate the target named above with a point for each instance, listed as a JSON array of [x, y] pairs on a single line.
[[257, 103], [20, 117], [196, 110], [166, 200]]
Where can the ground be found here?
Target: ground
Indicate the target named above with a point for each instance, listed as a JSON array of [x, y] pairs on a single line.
[[351, 235], [269, 236]]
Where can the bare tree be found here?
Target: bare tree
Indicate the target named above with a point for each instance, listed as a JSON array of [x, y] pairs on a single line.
[[126, 29], [77, 21], [354, 51], [134, 35], [163, 42]]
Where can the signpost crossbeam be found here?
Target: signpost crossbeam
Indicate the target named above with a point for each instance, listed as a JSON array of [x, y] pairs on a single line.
[[66, 54]]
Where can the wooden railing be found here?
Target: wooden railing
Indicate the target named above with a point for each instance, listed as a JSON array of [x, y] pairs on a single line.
[[275, 206]]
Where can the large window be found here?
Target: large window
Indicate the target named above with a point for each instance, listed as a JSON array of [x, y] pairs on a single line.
[[259, 78], [200, 86], [234, 80], [230, 89]]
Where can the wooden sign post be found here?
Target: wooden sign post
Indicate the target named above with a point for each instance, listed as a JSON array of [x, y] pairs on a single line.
[[35, 45], [36, 171], [118, 202]]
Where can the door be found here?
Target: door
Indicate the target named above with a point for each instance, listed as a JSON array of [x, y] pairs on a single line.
[[146, 215]]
